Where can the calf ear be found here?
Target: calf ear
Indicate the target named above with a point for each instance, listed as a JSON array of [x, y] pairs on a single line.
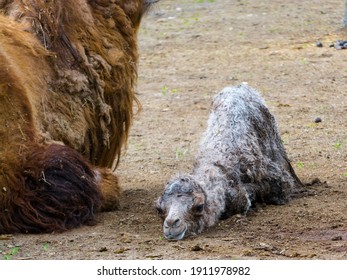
[[158, 207], [157, 203]]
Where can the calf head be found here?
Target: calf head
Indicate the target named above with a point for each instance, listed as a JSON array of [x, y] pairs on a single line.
[[182, 207]]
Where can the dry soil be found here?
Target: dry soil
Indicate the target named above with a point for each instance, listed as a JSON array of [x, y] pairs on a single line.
[[190, 50]]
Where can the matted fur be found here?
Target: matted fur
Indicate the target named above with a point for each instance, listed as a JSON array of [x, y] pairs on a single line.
[[68, 69], [241, 161], [52, 188]]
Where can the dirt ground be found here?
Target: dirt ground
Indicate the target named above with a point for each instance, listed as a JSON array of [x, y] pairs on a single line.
[[190, 50]]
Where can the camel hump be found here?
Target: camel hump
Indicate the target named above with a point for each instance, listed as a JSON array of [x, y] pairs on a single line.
[[50, 188]]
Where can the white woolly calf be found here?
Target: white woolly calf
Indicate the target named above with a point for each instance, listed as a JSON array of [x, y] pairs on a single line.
[[241, 161]]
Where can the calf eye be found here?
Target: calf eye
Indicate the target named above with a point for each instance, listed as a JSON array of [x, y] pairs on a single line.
[[198, 208]]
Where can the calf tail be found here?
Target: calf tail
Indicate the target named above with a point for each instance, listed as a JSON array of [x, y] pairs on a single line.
[[47, 188]]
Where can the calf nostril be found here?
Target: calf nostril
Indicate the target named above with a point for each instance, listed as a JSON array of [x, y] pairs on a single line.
[[176, 223], [172, 222]]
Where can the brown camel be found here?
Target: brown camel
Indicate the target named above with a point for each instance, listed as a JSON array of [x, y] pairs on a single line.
[[68, 69]]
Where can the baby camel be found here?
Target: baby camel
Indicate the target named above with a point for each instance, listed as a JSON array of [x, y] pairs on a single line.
[[241, 161]]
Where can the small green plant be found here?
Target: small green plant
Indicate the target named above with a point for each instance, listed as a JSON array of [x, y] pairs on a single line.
[[165, 90], [180, 153], [338, 145], [275, 30], [304, 61], [45, 246], [300, 164], [14, 251], [312, 125]]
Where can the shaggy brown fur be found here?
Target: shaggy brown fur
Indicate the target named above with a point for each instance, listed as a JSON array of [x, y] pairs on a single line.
[[67, 77]]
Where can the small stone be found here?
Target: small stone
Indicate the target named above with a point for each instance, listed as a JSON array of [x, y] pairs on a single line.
[[339, 44], [337, 238], [318, 120], [103, 249], [319, 44]]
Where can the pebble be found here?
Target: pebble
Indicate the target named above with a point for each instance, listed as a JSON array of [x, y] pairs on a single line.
[[337, 238], [318, 120], [103, 249]]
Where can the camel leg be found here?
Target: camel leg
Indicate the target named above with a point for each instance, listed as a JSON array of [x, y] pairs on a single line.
[[108, 185]]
